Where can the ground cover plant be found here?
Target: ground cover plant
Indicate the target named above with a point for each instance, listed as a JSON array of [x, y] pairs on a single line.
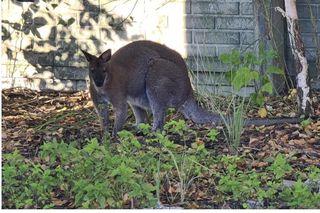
[[54, 156]]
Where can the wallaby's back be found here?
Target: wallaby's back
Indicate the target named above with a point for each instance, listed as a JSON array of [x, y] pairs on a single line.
[[139, 50], [130, 64]]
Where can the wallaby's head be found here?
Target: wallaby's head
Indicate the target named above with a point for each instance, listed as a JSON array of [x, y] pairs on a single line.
[[98, 67]]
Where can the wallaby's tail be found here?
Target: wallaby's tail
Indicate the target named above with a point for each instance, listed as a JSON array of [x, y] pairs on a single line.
[[271, 121], [191, 110]]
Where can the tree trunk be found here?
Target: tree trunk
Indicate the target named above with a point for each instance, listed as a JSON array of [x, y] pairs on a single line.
[[298, 51]]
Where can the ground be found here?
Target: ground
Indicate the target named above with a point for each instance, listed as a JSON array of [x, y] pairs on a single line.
[[30, 118]]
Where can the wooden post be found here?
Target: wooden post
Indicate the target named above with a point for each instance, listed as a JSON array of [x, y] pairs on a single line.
[[297, 47]]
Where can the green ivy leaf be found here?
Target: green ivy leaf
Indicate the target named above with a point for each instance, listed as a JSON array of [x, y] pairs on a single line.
[[306, 122], [102, 201], [229, 76], [275, 70], [243, 77], [231, 58], [250, 58], [267, 88], [258, 98]]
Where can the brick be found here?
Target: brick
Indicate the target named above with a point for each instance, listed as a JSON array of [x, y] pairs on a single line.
[[123, 8], [309, 40], [65, 53], [311, 54], [58, 85], [188, 34], [63, 32], [207, 7], [210, 77], [90, 5], [313, 71], [200, 22], [32, 56], [94, 47], [188, 7], [22, 70], [216, 37], [228, 48], [7, 32], [20, 82], [201, 50], [82, 85], [46, 32], [91, 19], [247, 38], [71, 73], [306, 26], [225, 90], [246, 8], [308, 1], [304, 11], [46, 72], [88, 32], [39, 84], [235, 23], [200, 63]]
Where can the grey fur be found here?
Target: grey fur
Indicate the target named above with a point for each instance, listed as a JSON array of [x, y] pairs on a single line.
[[147, 76]]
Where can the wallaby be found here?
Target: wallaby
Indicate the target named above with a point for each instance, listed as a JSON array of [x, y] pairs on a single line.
[[148, 76]]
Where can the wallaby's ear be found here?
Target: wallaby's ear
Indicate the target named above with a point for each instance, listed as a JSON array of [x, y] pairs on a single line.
[[88, 56], [105, 57]]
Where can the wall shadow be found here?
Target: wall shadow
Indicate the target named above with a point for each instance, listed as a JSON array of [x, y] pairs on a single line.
[[41, 44]]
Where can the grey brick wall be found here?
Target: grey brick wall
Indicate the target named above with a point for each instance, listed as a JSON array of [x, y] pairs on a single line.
[[41, 53], [308, 10], [217, 27]]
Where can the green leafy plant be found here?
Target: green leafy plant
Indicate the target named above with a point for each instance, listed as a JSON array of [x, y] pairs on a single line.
[[234, 124], [212, 135], [176, 127], [306, 122], [144, 128], [98, 176], [300, 196], [34, 191], [280, 167], [239, 184], [242, 72], [94, 176]]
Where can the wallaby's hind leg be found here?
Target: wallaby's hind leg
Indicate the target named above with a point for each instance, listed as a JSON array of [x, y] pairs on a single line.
[[166, 86], [158, 109], [140, 114]]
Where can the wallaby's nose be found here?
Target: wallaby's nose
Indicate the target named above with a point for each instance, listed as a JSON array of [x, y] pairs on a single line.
[[99, 82]]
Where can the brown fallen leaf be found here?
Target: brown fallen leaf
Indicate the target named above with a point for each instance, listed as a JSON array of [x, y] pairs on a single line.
[[259, 164]]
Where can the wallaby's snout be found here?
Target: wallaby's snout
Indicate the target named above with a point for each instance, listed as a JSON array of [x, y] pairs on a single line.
[[99, 82]]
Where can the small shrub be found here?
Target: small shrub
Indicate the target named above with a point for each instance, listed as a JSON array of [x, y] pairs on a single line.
[[242, 72]]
